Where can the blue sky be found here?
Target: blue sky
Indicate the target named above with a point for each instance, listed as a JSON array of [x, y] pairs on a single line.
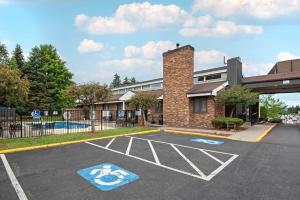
[[100, 38]]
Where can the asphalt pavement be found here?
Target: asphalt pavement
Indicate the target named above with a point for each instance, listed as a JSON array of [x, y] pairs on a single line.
[[168, 166]]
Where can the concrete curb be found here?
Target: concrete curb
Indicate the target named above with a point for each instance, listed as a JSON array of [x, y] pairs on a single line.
[[195, 133], [73, 142], [259, 138]]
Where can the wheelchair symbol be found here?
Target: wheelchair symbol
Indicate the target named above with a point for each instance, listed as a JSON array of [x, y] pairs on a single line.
[[106, 171], [107, 176]]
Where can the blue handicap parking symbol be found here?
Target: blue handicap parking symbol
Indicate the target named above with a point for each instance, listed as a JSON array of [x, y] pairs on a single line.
[[207, 141], [36, 114], [107, 176]]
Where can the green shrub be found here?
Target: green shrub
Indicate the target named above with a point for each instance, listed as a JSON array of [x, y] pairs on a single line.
[[220, 122], [275, 120]]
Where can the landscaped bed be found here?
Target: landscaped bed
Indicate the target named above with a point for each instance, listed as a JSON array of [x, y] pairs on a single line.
[[45, 140]]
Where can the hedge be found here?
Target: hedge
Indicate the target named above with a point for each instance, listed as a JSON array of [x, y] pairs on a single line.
[[220, 122]]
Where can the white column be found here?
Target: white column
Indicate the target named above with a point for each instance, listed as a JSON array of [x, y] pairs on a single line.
[[123, 105]]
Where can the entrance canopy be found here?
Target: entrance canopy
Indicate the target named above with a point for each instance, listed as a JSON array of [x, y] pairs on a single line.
[[274, 83]]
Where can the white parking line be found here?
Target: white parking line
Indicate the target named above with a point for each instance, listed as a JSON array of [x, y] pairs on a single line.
[[216, 159], [147, 161], [153, 152], [129, 146], [199, 173], [14, 181], [111, 141], [188, 160]]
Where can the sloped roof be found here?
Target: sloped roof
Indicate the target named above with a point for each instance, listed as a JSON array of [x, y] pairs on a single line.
[[272, 77], [205, 87], [116, 97]]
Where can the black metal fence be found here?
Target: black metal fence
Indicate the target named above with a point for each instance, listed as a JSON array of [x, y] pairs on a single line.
[[66, 121]]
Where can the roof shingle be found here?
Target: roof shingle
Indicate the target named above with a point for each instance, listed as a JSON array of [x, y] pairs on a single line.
[[205, 87]]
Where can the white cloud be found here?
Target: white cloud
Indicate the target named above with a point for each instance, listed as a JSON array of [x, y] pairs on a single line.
[[89, 46], [129, 18], [262, 9], [256, 69], [207, 27], [210, 58], [286, 56], [150, 50], [143, 62]]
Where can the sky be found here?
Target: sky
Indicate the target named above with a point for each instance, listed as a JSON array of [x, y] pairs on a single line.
[[100, 38]]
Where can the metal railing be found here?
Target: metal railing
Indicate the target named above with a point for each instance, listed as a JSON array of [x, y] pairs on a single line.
[[67, 121]]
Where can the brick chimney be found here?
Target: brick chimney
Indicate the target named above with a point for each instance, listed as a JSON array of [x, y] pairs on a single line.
[[178, 71]]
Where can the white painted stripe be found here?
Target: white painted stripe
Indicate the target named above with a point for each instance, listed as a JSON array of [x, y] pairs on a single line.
[[15, 183], [111, 141], [129, 146], [188, 161], [183, 146], [211, 175], [213, 157], [151, 162], [207, 178], [153, 152]]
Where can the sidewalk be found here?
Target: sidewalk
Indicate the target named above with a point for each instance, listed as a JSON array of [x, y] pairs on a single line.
[[252, 134]]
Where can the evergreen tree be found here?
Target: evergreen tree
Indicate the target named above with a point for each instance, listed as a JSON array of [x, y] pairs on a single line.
[[18, 58], [3, 54], [126, 81], [132, 80], [116, 81], [48, 77]]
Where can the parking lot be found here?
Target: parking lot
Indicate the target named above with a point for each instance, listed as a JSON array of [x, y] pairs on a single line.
[[159, 166]]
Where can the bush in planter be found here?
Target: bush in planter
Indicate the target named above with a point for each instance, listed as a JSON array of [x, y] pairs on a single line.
[[220, 122]]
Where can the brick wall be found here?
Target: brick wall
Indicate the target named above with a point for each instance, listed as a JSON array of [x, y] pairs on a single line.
[[203, 120], [178, 69]]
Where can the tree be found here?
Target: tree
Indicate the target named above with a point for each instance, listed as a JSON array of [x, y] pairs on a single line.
[[87, 95], [143, 101], [132, 80], [126, 81], [48, 77], [237, 95], [293, 109], [272, 108], [13, 89], [18, 58], [116, 81], [3, 54]]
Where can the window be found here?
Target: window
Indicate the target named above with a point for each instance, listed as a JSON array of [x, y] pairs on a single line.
[[120, 106], [159, 107], [213, 76], [105, 107], [156, 85], [200, 78], [145, 87], [200, 105]]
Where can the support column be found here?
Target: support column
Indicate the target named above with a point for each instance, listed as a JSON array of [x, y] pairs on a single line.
[[123, 107]]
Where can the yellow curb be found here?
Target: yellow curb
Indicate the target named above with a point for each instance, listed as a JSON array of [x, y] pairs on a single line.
[[195, 133], [73, 142], [259, 138]]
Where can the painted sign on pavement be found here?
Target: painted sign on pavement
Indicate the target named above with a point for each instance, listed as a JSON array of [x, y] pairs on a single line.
[[107, 176], [215, 142]]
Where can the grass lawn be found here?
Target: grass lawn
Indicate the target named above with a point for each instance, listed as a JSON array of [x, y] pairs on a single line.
[[42, 140]]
